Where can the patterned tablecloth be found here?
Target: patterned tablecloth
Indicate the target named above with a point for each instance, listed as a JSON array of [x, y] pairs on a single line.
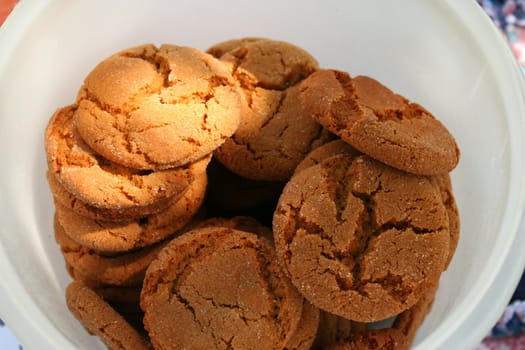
[[509, 331]]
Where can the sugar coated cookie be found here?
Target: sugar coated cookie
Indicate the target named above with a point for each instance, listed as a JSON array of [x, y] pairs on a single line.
[[103, 184], [379, 123], [275, 132], [218, 287], [155, 108], [360, 239]]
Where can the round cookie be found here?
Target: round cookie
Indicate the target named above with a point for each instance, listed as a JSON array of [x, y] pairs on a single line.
[[275, 132], [100, 319], [68, 200], [442, 181], [103, 184], [112, 237], [157, 108], [360, 239], [379, 123], [218, 287], [119, 270]]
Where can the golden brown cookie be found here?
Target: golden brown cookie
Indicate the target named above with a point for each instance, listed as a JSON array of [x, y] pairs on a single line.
[[275, 132], [218, 287], [442, 181], [360, 239], [103, 184], [68, 200], [379, 123], [125, 269], [156, 108], [100, 319], [112, 237]]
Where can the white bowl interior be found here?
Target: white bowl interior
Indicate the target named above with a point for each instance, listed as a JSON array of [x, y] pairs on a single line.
[[442, 54]]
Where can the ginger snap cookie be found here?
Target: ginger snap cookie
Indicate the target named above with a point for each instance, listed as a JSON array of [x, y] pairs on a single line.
[[217, 287], [100, 319], [103, 184], [442, 181], [156, 108], [68, 200], [106, 237], [275, 132], [384, 125], [360, 239], [125, 269]]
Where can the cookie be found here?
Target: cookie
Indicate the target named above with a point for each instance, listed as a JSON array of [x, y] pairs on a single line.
[[66, 199], [275, 132], [100, 319], [360, 239], [218, 287], [112, 237], [119, 270], [156, 108], [103, 184], [378, 122], [442, 181]]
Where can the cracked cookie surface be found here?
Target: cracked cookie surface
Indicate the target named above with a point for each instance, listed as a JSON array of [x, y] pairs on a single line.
[[379, 123], [100, 183], [360, 239], [218, 288], [275, 133], [157, 108]]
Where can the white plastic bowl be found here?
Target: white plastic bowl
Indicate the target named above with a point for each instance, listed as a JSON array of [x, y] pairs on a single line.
[[444, 54]]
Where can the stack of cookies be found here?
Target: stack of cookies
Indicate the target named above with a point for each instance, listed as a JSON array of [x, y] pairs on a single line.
[[244, 197]]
